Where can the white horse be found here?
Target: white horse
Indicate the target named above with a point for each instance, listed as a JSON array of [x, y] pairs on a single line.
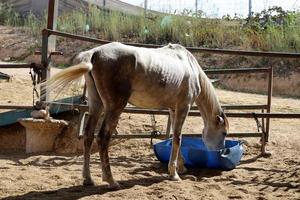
[[167, 77]]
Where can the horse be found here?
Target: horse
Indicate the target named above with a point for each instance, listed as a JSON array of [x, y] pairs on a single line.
[[167, 77]]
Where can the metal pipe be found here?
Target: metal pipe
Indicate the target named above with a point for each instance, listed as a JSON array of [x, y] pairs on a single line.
[[264, 115], [16, 107], [20, 65], [135, 110], [166, 112], [54, 53], [51, 11], [85, 107], [45, 74], [250, 9], [235, 71], [73, 36], [225, 107], [228, 114], [269, 101], [263, 122], [164, 136], [48, 45], [192, 49], [239, 107]]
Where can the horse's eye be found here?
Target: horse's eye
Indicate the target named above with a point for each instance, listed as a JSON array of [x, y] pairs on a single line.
[[224, 133]]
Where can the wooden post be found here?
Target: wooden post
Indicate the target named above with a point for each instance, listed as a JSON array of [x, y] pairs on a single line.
[[48, 45]]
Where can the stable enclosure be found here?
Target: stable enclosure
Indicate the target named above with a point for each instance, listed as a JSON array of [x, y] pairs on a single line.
[[57, 174], [261, 112]]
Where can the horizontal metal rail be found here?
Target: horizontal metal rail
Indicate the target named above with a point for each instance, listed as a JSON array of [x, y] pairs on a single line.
[[163, 136], [239, 107], [192, 49], [263, 115], [213, 71], [134, 110], [137, 110], [225, 107], [228, 114], [84, 107], [54, 53], [20, 65], [16, 107], [235, 71]]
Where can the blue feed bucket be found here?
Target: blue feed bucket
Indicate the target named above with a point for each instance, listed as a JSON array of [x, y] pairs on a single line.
[[196, 154]]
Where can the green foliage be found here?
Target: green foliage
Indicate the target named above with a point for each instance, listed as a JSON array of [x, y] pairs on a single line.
[[33, 25], [8, 16], [73, 22], [271, 30], [274, 29]]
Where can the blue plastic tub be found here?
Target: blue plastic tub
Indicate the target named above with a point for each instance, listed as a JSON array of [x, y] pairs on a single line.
[[196, 154]]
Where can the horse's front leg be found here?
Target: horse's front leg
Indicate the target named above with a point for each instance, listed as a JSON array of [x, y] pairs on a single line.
[[103, 139], [181, 169], [180, 115]]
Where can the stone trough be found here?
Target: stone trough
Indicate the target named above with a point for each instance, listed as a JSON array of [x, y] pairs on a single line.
[[41, 133]]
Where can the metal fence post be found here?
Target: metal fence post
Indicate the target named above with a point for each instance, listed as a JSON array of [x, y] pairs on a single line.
[[265, 135], [48, 45], [270, 92]]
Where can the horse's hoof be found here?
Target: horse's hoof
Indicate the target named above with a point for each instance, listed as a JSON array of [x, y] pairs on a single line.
[[114, 186], [175, 178], [88, 182], [190, 177], [266, 154]]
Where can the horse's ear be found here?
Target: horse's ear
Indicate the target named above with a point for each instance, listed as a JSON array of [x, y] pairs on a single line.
[[220, 120]]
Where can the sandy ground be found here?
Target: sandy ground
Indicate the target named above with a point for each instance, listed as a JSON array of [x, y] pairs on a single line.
[[141, 176]]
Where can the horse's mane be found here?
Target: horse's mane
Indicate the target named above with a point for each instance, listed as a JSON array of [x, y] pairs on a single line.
[[207, 97]]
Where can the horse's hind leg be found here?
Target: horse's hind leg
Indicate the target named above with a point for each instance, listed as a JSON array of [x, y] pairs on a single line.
[[113, 82], [109, 124], [112, 112], [88, 140], [95, 109]]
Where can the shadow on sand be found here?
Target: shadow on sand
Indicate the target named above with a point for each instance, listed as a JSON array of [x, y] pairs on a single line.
[[76, 192]]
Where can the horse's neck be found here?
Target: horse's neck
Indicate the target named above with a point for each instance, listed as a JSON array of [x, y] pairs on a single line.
[[207, 101]]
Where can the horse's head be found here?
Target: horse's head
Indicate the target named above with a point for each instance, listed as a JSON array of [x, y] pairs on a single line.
[[214, 133]]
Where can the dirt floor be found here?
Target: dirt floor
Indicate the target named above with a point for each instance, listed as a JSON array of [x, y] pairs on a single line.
[[141, 176]]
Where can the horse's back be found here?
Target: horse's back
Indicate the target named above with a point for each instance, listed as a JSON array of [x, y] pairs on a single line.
[[153, 77]]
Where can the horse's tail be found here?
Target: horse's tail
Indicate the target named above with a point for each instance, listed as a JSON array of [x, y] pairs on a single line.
[[67, 76]]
